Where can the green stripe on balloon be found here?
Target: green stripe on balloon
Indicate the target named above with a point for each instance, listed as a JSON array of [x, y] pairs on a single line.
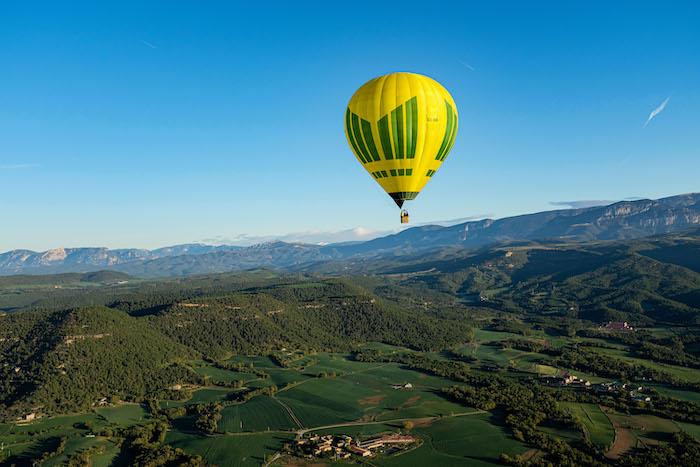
[[358, 137], [397, 126], [369, 139], [448, 132], [348, 129], [411, 127], [383, 125]]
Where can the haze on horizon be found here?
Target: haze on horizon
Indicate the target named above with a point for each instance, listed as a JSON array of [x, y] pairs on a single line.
[[126, 126]]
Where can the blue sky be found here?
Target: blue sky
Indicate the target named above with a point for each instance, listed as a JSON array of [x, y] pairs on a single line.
[[142, 124]]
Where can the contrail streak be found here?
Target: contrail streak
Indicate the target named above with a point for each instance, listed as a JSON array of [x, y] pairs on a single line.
[[467, 65], [657, 111], [148, 44]]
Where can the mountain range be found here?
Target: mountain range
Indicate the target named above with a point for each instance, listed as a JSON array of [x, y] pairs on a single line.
[[622, 220]]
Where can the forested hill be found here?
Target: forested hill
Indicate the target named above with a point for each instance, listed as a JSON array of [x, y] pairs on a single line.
[[654, 280], [97, 277], [623, 220], [68, 359]]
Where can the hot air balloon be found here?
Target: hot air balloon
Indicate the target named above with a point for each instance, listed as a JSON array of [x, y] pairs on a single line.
[[401, 126]]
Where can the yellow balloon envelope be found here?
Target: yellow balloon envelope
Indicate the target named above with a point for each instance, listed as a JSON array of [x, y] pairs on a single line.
[[401, 127]]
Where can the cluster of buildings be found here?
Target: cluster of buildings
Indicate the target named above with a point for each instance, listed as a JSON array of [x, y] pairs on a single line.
[[568, 380], [634, 392], [617, 326], [344, 446]]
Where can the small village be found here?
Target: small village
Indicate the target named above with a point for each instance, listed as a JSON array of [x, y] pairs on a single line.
[[343, 446], [635, 392], [617, 326]]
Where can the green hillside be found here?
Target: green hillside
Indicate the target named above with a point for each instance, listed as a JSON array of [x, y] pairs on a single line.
[[68, 360], [466, 352], [646, 281]]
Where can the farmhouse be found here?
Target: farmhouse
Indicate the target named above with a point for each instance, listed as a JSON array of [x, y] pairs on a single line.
[[402, 386], [567, 379], [394, 439], [343, 446], [101, 402], [28, 418], [637, 397], [359, 451], [618, 326]]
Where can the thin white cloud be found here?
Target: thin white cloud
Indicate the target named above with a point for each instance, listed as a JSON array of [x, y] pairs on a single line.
[[316, 237], [146, 43], [657, 111], [584, 203], [319, 237], [18, 166], [461, 220], [471, 68]]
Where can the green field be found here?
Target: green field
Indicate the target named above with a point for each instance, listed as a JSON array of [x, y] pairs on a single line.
[[261, 413], [648, 429], [126, 414], [280, 377], [598, 427], [246, 450], [562, 432], [325, 401], [458, 441], [259, 361], [688, 374], [684, 395], [690, 428], [228, 376], [28, 439], [74, 445], [105, 458], [208, 395], [487, 350], [200, 396], [367, 394]]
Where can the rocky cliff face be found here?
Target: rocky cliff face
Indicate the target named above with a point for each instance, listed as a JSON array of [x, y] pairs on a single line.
[[623, 220]]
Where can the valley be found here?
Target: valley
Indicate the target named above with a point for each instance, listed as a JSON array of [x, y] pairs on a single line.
[[510, 354]]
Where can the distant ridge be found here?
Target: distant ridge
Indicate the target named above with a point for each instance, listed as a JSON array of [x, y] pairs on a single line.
[[622, 220]]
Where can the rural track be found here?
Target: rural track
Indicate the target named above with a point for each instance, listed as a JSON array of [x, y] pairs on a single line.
[[299, 383], [289, 411], [383, 422]]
